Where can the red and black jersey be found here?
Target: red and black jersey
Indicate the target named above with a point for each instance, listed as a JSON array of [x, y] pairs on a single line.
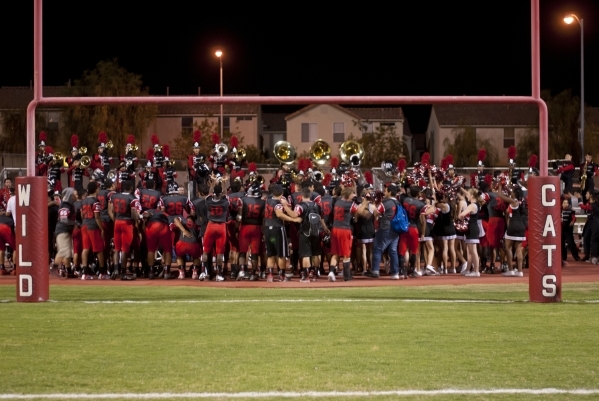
[[122, 204], [234, 202], [387, 209], [327, 203], [89, 207], [252, 210], [174, 205], [103, 197], [190, 225], [149, 199], [342, 213], [155, 215], [201, 211], [568, 216], [270, 215], [217, 209], [413, 208]]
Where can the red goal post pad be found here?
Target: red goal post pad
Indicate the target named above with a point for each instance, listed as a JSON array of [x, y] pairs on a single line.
[[31, 231], [544, 239]]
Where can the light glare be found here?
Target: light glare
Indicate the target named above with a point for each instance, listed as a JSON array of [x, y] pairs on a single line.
[[218, 53]]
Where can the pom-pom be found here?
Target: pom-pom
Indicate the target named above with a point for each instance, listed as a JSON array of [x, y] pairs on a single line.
[[150, 154], [215, 138], [482, 154], [233, 142], [102, 137], [166, 151], [368, 177], [511, 152], [449, 159], [334, 162], [252, 167], [326, 181], [532, 161], [488, 179], [131, 139], [425, 158], [197, 136], [43, 136], [74, 141], [155, 140], [401, 165]]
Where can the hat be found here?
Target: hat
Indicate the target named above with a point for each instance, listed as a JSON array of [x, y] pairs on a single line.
[[102, 139], [482, 154], [155, 140], [254, 190], [74, 143], [197, 138], [43, 138]]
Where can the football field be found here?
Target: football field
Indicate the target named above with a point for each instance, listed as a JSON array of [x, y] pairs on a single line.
[[476, 342]]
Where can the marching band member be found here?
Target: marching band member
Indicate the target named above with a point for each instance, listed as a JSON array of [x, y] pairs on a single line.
[[101, 159], [129, 157], [169, 173], [77, 172], [158, 161], [566, 170], [218, 157], [75, 155], [55, 170], [515, 174], [588, 170], [124, 174], [150, 172], [41, 158]]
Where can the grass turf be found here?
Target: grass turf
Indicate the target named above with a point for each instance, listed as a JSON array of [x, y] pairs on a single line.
[[378, 341]]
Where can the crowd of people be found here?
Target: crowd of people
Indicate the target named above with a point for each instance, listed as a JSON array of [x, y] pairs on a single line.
[[304, 224]]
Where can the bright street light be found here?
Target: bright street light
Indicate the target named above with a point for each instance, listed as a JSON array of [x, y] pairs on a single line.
[[219, 54], [569, 19]]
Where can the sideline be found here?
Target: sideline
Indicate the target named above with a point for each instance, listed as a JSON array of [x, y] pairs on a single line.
[[314, 394]]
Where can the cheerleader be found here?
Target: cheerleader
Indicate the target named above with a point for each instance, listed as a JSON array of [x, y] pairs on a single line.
[[364, 227], [444, 228], [515, 233], [462, 227], [426, 237], [475, 202]]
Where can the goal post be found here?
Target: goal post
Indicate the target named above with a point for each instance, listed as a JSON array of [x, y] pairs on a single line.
[[535, 200]]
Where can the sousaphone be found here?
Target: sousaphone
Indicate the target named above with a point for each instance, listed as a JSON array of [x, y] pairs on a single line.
[[284, 152]]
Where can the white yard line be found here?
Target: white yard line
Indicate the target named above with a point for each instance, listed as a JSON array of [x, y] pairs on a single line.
[[291, 394]]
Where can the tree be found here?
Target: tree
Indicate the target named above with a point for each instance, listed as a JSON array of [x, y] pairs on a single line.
[[465, 147], [14, 129], [118, 121], [382, 144], [564, 113]]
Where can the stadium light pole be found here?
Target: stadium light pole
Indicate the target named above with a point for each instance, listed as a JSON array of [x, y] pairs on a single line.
[[568, 20], [219, 54]]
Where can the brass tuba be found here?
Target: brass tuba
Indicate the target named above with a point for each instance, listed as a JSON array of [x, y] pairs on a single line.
[[320, 152], [85, 162], [83, 150], [221, 149], [284, 152], [109, 145], [240, 155], [351, 152]]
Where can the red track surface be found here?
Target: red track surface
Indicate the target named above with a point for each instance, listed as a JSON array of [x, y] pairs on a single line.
[[574, 272]]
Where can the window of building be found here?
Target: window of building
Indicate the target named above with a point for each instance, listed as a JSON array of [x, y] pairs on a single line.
[[187, 125], [227, 123], [244, 118], [53, 120], [309, 132], [338, 132], [367, 128], [509, 138]]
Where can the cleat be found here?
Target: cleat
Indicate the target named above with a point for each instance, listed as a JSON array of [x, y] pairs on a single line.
[[255, 277], [181, 274], [240, 276], [194, 274], [202, 276], [219, 278], [270, 278], [332, 277], [473, 274]]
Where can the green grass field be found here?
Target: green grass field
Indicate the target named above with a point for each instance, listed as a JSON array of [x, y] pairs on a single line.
[[210, 340]]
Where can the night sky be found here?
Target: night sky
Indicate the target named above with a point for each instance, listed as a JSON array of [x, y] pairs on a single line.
[[409, 48]]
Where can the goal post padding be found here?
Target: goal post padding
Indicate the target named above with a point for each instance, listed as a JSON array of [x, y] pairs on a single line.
[[32, 239], [544, 239]]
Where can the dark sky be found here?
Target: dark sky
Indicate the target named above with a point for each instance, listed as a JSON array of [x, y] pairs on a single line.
[[409, 48]]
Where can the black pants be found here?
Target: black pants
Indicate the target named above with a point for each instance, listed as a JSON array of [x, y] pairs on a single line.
[[568, 237], [595, 238], [586, 237]]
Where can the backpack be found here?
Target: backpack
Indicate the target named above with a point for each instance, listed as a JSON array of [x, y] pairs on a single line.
[[400, 224], [310, 225]]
